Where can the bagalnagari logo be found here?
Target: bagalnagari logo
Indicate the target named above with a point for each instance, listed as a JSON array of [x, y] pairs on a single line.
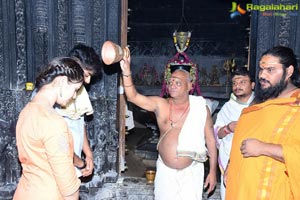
[[236, 10], [267, 9]]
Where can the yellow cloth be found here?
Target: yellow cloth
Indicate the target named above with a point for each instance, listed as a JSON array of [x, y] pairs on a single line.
[[78, 107], [274, 121], [45, 150]]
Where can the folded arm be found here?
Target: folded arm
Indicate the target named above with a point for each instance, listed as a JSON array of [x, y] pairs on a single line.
[[251, 147]]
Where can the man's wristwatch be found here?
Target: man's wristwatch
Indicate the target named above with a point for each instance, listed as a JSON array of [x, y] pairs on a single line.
[[84, 165]]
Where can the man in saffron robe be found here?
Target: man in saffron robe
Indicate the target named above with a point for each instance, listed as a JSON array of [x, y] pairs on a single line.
[[264, 160], [186, 130]]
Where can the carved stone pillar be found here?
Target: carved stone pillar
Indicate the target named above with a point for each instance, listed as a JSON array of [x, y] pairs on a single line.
[[273, 29], [32, 33]]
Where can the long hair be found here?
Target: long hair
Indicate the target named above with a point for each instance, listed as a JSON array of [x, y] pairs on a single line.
[[60, 66], [286, 58]]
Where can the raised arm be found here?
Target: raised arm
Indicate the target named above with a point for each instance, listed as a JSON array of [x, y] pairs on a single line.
[[149, 103]]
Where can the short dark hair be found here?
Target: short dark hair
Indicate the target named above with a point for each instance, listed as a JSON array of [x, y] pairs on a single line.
[[242, 71], [88, 57]]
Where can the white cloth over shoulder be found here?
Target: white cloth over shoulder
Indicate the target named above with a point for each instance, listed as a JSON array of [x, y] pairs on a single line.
[[229, 112], [78, 107], [191, 140]]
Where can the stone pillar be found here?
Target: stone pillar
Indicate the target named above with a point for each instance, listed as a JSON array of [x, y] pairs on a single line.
[[32, 33], [273, 28]]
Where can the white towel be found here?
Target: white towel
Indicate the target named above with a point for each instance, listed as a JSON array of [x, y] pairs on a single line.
[[78, 107], [191, 140]]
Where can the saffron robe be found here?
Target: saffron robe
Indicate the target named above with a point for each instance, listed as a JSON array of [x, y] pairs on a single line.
[[229, 112], [275, 121]]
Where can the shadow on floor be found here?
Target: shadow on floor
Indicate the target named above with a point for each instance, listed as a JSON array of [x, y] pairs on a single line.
[[140, 154]]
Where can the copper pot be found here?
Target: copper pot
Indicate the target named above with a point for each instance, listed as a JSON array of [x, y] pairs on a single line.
[[150, 176], [112, 53]]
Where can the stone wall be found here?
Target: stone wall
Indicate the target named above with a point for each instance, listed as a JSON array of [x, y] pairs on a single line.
[[32, 33], [272, 28]]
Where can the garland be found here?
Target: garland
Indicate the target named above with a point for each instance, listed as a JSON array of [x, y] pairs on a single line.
[[193, 73]]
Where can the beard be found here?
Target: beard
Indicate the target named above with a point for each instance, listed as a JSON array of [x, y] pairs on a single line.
[[270, 92]]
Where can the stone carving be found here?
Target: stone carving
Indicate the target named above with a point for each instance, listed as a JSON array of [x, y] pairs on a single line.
[[9, 165], [147, 76], [203, 76], [45, 35], [79, 21], [283, 28], [2, 69], [98, 24], [284, 31], [20, 44], [62, 27], [196, 47], [214, 76]]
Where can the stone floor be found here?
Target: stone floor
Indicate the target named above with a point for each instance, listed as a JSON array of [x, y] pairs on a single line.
[[135, 188], [131, 185], [125, 188]]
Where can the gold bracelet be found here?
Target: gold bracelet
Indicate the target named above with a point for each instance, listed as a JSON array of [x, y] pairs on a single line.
[[126, 75]]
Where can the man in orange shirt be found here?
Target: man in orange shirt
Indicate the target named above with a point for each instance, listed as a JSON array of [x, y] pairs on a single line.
[[264, 159]]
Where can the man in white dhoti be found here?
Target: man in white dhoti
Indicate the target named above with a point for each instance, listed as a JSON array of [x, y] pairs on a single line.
[[241, 97], [186, 129]]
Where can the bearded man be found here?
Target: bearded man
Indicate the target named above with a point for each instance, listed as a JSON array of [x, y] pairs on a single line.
[[264, 160]]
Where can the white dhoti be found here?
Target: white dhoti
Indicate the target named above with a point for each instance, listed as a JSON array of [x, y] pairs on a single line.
[[185, 184]]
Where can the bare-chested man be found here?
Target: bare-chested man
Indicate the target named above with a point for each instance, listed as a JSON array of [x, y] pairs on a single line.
[[186, 129]]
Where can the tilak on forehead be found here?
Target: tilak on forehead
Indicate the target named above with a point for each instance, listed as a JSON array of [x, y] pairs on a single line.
[[268, 63], [182, 62]]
